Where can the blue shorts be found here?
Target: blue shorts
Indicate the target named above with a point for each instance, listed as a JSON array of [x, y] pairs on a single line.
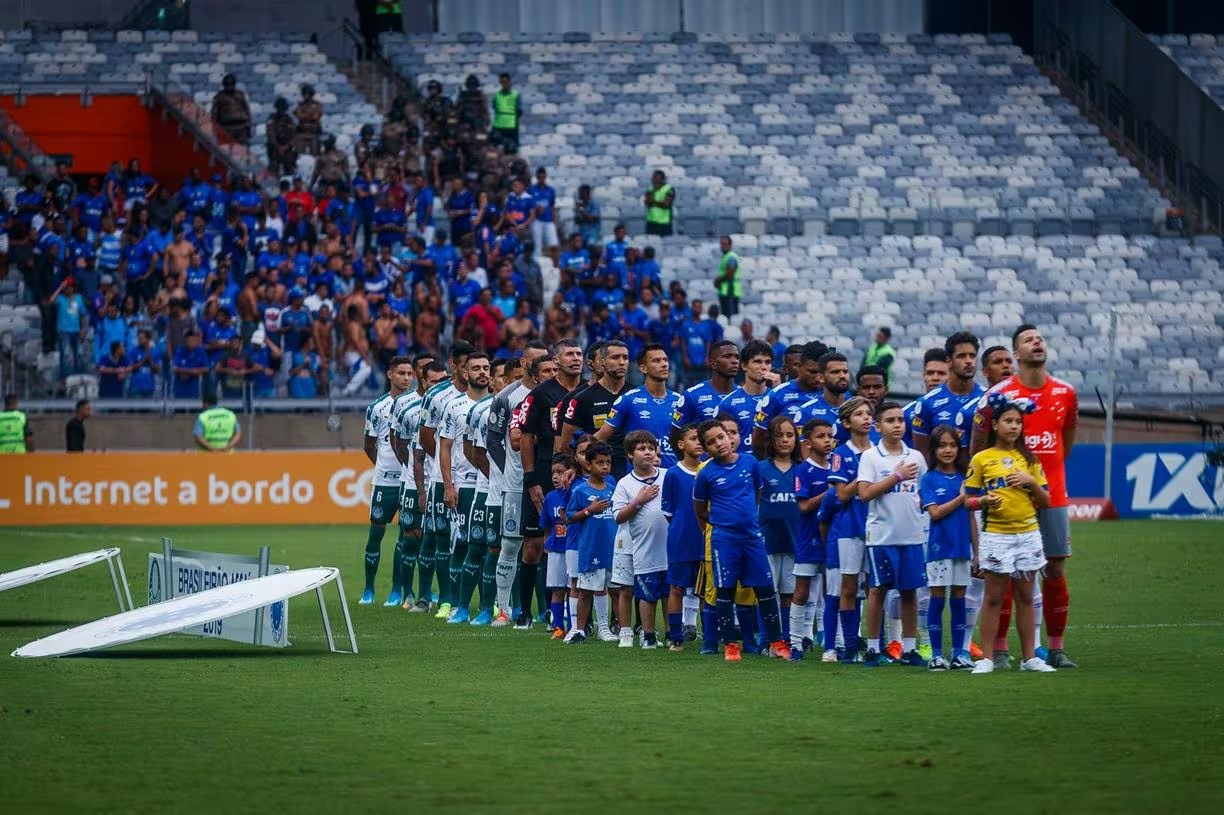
[[810, 550], [896, 567], [740, 561], [651, 587], [778, 537], [683, 573]]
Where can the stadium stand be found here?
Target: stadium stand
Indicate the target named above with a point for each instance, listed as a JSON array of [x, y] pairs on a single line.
[[1201, 56]]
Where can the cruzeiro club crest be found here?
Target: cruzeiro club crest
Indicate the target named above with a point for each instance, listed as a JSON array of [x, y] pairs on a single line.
[[276, 612], [155, 584]]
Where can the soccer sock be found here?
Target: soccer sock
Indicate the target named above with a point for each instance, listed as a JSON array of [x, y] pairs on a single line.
[[873, 644], [960, 624], [795, 633], [455, 572], [373, 553], [425, 569], [924, 603], [692, 605], [408, 561], [892, 603], [767, 605], [908, 644], [934, 624], [488, 579], [469, 579], [1005, 615], [973, 604], [727, 611], [557, 608], [1054, 589], [675, 627], [397, 565], [603, 611], [849, 618], [1038, 613], [818, 602], [830, 623], [571, 608], [709, 626], [442, 556], [541, 589], [507, 569], [747, 617], [527, 582]]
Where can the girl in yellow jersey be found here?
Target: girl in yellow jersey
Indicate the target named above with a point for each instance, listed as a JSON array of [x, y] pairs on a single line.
[[1006, 483]]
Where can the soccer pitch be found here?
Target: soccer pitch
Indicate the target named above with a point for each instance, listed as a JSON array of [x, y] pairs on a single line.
[[438, 718]]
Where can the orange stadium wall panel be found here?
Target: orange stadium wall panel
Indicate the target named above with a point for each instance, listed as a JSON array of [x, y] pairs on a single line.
[[112, 128], [162, 489]]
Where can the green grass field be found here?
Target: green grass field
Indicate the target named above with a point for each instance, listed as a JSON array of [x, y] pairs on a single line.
[[437, 718]]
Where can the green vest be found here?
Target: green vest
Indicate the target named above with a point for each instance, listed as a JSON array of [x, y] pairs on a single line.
[[219, 425], [505, 110], [659, 215], [734, 284], [12, 431], [393, 9], [875, 352]]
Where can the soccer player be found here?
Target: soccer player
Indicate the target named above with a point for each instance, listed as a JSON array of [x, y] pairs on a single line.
[[588, 408], [506, 474], [638, 506], [1050, 435], [649, 407], [949, 555], [723, 493], [888, 478], [407, 413], [756, 361], [848, 527], [564, 469], [934, 374], [996, 365], [1006, 482], [435, 542], [589, 519], [955, 401], [702, 400], [811, 484], [534, 422], [684, 539], [778, 510], [805, 386], [835, 383], [388, 469], [484, 543]]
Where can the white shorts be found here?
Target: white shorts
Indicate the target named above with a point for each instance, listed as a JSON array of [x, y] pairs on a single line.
[[851, 555], [1018, 555], [783, 567], [512, 511], [596, 580], [806, 570], [832, 581], [948, 572], [556, 571], [622, 569], [571, 563], [544, 235]]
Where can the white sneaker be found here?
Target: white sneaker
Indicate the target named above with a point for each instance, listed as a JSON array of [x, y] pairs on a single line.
[[570, 636], [983, 666], [606, 635], [648, 645], [829, 656], [626, 640], [1037, 664]]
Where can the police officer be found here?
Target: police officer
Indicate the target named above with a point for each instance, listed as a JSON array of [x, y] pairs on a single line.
[[332, 166], [281, 155], [506, 114], [309, 115], [231, 111], [472, 106], [436, 108], [363, 150], [15, 433], [216, 428]]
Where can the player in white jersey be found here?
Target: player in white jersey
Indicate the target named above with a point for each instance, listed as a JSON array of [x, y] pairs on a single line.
[[480, 566], [379, 424], [407, 414], [435, 541]]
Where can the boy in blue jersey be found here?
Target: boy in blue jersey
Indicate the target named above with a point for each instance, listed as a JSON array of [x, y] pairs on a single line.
[[756, 361], [638, 507], [825, 513], [849, 524], [723, 491], [702, 400], [564, 468], [955, 402], [648, 407], [811, 484], [789, 395], [685, 544], [950, 545], [590, 520]]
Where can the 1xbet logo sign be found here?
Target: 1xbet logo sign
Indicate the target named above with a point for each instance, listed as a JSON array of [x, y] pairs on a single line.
[[1163, 481]]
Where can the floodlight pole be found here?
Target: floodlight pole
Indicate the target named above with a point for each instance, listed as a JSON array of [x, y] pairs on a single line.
[[1111, 386]]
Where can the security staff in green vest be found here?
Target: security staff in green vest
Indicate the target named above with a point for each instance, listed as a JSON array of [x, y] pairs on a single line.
[[881, 354], [216, 428], [389, 16], [658, 202], [15, 433], [506, 115], [728, 285]]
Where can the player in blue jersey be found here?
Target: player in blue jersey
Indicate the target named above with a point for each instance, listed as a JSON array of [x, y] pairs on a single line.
[[778, 511], [811, 484], [756, 361], [790, 395], [835, 384], [649, 407], [590, 520], [949, 554], [934, 374], [723, 493], [955, 402], [564, 469], [685, 543], [701, 401], [850, 522]]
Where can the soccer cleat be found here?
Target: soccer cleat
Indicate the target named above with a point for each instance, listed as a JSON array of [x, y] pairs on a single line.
[[650, 642], [675, 647], [850, 658], [394, 599], [983, 666], [937, 664], [926, 651], [1037, 665], [542, 618], [1059, 659], [806, 643], [796, 655], [872, 658], [913, 659], [962, 662], [779, 649], [574, 638], [420, 607], [409, 602], [444, 611], [626, 638], [893, 651], [829, 655], [1042, 652], [731, 652], [708, 650], [606, 635], [460, 616], [485, 617], [455, 610], [975, 651], [524, 621], [1002, 660], [367, 598], [690, 633], [501, 620]]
